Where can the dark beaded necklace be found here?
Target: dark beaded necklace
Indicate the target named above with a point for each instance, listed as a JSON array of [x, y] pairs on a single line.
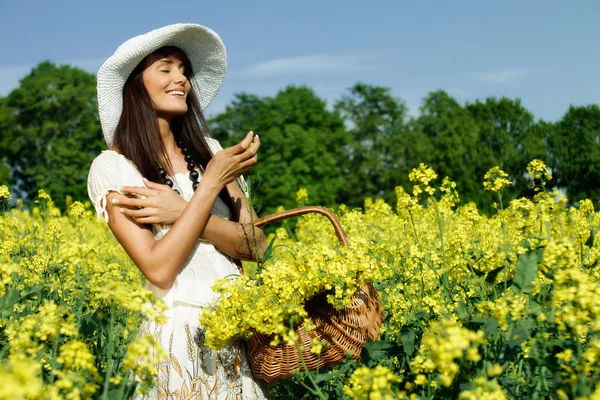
[[191, 166]]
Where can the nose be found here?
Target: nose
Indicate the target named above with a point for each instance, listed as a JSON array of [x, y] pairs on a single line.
[[179, 77]]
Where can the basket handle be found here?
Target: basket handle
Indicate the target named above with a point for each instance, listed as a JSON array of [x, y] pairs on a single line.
[[295, 212]]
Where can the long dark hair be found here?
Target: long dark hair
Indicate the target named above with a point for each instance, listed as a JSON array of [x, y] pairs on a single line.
[[138, 136]]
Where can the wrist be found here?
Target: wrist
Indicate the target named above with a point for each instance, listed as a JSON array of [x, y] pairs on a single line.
[[209, 185]]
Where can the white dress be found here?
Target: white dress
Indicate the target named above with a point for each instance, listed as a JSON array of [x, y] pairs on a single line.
[[192, 371]]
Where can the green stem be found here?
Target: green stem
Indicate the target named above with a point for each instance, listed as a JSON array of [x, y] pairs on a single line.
[[110, 361], [441, 227], [309, 375], [412, 221]]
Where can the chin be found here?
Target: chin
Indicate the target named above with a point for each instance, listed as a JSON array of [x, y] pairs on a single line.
[[179, 112], [172, 112]]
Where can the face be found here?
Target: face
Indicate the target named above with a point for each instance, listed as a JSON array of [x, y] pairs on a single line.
[[167, 84]]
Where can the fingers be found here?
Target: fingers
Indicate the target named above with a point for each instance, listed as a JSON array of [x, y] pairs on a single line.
[[147, 220], [251, 151], [247, 140], [243, 145], [245, 166], [255, 145], [154, 185], [141, 216], [137, 190], [131, 202]]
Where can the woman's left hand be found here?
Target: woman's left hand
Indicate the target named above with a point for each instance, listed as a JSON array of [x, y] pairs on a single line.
[[161, 204]]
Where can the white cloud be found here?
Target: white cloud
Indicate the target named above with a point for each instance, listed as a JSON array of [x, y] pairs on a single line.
[[313, 64], [509, 76]]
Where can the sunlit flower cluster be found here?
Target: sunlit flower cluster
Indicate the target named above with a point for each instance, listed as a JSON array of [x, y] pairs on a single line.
[[495, 180], [5, 193], [272, 299], [539, 173], [484, 390], [476, 306], [442, 345], [20, 380], [422, 175], [473, 298], [73, 303], [373, 384]]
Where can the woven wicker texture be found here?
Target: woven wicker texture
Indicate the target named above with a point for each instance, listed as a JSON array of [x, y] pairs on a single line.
[[343, 331], [203, 47]]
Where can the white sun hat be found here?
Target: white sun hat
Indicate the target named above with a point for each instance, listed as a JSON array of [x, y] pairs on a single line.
[[203, 47]]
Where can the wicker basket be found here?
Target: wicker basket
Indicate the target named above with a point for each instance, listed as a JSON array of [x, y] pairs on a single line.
[[344, 332]]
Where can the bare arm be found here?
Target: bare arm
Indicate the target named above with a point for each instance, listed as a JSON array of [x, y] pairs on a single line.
[[161, 205], [238, 239], [160, 261]]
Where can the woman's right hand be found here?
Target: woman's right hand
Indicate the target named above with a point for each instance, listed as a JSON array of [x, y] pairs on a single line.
[[229, 164]]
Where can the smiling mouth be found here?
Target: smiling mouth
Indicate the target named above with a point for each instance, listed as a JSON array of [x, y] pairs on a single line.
[[176, 93]]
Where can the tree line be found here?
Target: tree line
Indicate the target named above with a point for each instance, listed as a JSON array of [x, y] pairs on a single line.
[[363, 146]]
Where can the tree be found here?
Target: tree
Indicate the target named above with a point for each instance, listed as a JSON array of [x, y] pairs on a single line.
[[576, 150], [51, 132], [453, 137], [7, 122], [372, 164], [508, 138], [301, 144]]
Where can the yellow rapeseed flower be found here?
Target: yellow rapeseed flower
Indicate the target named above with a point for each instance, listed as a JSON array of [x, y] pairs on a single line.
[[5, 193], [539, 172], [302, 196], [495, 180], [372, 384]]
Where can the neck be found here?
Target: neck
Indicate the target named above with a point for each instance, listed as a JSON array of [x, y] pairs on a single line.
[[167, 135]]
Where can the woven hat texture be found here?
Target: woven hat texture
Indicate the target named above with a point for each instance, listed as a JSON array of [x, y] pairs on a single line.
[[203, 47]]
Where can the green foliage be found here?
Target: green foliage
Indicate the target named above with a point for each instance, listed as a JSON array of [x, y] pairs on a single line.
[[50, 132], [526, 271], [373, 162], [452, 135], [365, 147], [71, 304], [509, 138], [576, 150], [523, 323], [301, 145]]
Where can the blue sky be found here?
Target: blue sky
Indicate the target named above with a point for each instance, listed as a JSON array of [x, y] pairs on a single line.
[[546, 52]]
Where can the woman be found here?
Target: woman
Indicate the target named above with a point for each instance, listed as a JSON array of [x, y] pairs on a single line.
[[171, 197]]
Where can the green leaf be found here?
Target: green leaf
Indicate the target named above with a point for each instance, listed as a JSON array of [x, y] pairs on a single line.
[[269, 251], [12, 297], [462, 311], [526, 271], [590, 241], [491, 276], [325, 377], [489, 324], [9, 299], [476, 271], [378, 350], [518, 337], [408, 342], [509, 385]]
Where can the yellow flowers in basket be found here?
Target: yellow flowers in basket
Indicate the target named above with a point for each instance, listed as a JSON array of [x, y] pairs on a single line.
[[273, 299]]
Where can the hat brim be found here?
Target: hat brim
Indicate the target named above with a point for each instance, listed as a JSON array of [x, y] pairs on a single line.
[[203, 47]]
